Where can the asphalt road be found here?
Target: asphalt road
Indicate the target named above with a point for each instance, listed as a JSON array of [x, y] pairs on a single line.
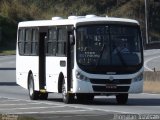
[[15, 100], [152, 60]]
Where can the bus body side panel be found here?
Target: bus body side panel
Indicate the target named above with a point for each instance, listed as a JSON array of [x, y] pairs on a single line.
[[53, 70], [24, 65], [21, 77]]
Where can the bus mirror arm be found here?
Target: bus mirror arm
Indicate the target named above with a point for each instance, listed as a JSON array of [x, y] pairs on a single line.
[[71, 39]]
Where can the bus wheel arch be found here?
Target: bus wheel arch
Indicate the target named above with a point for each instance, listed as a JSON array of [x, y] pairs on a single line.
[[29, 73], [60, 81]]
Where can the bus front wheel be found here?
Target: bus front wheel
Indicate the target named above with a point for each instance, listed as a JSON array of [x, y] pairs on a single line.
[[34, 95], [67, 97], [122, 99]]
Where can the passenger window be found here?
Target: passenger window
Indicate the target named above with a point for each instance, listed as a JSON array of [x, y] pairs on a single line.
[[34, 43], [27, 44], [21, 37], [62, 38], [51, 44]]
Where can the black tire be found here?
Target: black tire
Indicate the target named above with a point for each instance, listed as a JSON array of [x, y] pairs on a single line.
[[122, 99], [85, 98], [67, 97], [34, 95], [43, 96]]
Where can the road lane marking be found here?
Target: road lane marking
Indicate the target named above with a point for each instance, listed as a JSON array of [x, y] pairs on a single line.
[[74, 106], [19, 104], [45, 112], [71, 106], [79, 106], [38, 101], [14, 100], [145, 63], [26, 108], [151, 94]]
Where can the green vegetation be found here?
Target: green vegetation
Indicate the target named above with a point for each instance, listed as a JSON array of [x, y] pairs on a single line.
[[14, 11], [7, 52], [25, 118], [7, 33], [15, 117]]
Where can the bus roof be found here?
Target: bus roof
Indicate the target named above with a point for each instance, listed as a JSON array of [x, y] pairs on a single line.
[[73, 20]]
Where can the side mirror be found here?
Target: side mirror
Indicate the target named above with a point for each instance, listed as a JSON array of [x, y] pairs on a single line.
[[71, 39]]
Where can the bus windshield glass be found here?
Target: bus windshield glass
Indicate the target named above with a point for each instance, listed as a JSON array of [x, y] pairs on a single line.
[[109, 45]]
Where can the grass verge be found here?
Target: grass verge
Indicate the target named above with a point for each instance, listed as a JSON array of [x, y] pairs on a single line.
[[152, 86], [26, 118], [15, 117], [7, 52], [152, 82]]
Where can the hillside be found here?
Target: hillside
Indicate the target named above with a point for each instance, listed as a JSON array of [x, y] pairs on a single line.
[[14, 11]]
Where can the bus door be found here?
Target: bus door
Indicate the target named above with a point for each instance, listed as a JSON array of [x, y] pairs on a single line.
[[70, 59], [42, 68]]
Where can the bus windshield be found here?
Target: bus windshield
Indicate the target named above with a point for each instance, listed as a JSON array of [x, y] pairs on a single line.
[[109, 46]]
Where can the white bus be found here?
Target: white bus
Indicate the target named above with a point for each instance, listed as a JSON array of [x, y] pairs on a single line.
[[80, 57]]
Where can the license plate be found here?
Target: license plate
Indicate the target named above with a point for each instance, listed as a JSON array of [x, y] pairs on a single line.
[[109, 86]]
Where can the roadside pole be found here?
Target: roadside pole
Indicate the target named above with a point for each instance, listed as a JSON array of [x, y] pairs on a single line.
[[0, 34], [146, 20]]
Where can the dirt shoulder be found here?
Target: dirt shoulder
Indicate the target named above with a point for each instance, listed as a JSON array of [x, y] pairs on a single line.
[[152, 82]]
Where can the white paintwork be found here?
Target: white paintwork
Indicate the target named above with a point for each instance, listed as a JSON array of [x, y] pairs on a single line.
[[24, 64], [74, 20], [53, 70], [80, 86]]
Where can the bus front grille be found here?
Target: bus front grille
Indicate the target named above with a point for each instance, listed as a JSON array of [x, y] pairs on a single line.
[[106, 85], [107, 81], [104, 89]]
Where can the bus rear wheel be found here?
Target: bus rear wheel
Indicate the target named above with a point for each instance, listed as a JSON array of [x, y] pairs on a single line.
[[122, 99], [34, 95], [43, 96], [67, 97]]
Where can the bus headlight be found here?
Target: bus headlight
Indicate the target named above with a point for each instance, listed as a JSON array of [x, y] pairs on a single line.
[[138, 78], [80, 76]]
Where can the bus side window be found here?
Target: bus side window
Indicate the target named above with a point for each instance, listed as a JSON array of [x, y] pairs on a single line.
[[34, 43], [62, 38], [51, 43], [21, 36], [27, 45]]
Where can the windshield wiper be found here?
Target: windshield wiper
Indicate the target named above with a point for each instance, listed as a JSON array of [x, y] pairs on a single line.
[[118, 53], [121, 57], [101, 53]]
